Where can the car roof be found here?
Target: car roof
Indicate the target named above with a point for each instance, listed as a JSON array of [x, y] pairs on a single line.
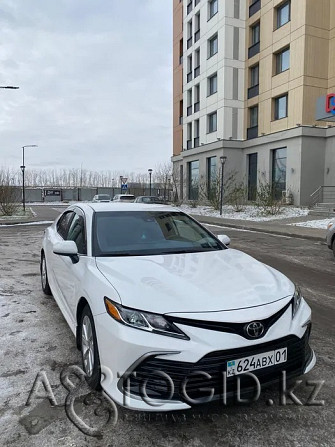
[[124, 206]]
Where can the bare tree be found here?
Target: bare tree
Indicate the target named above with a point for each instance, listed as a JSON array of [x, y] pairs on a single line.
[[9, 193]]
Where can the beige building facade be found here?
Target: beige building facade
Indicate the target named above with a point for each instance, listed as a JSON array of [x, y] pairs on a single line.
[[288, 67]]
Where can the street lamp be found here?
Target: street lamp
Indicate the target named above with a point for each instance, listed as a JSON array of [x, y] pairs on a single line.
[[22, 170], [150, 173], [223, 160]]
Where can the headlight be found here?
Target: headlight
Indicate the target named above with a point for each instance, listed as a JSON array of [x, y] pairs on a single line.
[[330, 225], [143, 320], [296, 300]]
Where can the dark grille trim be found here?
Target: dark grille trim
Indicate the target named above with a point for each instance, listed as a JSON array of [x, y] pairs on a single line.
[[215, 363], [232, 328]]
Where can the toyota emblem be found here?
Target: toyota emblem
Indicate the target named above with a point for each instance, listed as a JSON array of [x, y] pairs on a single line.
[[255, 329]]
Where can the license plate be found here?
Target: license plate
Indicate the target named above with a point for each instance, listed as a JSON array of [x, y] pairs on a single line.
[[259, 361]]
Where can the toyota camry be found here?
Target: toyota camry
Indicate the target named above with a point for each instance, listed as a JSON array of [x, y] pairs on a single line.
[[165, 314]]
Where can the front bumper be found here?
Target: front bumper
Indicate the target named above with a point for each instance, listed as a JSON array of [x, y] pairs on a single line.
[[131, 358]]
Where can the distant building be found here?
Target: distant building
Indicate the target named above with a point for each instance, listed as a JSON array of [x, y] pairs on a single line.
[[251, 80]]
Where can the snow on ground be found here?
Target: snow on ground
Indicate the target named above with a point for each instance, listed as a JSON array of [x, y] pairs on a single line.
[[321, 224], [250, 213]]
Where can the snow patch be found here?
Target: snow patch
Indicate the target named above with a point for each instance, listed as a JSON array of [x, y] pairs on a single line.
[[249, 212]]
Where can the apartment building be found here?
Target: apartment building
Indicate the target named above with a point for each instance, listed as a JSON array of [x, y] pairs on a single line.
[[254, 82]]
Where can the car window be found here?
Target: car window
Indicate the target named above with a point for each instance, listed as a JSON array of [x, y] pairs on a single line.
[[127, 198], [76, 233], [128, 233], [64, 222]]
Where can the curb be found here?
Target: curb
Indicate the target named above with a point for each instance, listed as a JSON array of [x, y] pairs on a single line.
[[311, 237]]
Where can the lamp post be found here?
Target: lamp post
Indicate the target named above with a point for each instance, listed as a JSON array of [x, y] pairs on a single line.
[[150, 173], [223, 160], [22, 170]]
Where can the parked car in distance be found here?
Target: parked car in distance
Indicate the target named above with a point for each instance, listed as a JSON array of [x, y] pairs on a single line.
[[330, 238], [149, 199], [124, 198], [163, 310], [102, 198]]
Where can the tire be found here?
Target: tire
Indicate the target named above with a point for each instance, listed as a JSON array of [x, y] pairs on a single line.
[[44, 276], [334, 247], [89, 349]]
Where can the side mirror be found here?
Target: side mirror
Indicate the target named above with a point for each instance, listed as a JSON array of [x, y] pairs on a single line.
[[224, 239], [67, 248]]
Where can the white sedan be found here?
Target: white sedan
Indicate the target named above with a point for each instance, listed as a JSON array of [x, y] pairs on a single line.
[[164, 313]]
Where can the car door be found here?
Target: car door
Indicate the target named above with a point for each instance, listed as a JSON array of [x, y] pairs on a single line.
[[55, 263], [74, 274]]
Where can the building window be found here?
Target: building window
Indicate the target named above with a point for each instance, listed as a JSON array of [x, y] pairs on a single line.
[[211, 177], [189, 34], [189, 6], [212, 122], [197, 63], [212, 46], [255, 34], [283, 14], [189, 102], [196, 2], [212, 8], [197, 28], [181, 112], [279, 158], [253, 116], [283, 61], [193, 180], [212, 84], [254, 75], [189, 136], [189, 68], [196, 133], [281, 107], [197, 98], [181, 51]]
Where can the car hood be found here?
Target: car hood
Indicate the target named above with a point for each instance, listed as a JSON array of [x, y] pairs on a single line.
[[194, 282]]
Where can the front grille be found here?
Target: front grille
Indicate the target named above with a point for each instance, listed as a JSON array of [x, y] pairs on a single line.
[[233, 328], [215, 364]]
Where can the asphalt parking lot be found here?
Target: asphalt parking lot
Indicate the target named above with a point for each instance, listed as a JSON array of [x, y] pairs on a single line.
[[35, 338]]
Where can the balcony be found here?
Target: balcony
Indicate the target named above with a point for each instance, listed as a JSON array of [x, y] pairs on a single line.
[[189, 144], [253, 91], [189, 7], [197, 36], [189, 76], [196, 142], [189, 110], [189, 42], [196, 107], [197, 71], [254, 49], [254, 7], [252, 132], [180, 120]]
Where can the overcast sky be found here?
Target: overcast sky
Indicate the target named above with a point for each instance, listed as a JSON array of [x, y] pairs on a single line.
[[95, 80]]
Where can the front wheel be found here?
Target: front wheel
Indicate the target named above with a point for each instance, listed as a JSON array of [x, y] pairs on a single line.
[[334, 246], [44, 276], [89, 349]]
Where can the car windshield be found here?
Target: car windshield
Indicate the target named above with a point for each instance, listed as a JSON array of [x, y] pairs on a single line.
[[138, 233]]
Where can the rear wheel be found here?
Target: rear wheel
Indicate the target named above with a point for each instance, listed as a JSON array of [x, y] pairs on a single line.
[[334, 246], [44, 276], [89, 349]]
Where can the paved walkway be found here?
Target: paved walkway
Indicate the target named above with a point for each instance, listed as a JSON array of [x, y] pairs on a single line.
[[279, 226]]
